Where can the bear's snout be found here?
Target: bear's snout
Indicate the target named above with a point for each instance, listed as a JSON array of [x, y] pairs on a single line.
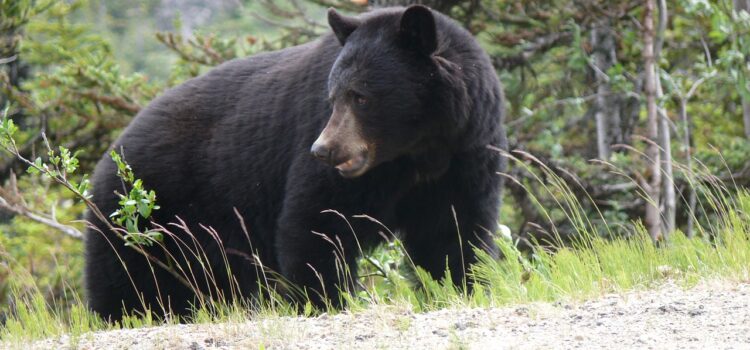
[[350, 161], [321, 151]]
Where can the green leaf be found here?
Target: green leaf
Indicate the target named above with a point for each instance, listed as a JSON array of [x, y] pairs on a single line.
[[131, 226], [144, 209]]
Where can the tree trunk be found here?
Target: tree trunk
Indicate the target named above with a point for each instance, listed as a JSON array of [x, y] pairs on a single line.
[[665, 139], [614, 113], [669, 200], [691, 182], [652, 185], [744, 5], [605, 112], [746, 114]]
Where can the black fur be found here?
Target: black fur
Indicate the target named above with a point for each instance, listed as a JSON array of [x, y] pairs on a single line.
[[239, 137]]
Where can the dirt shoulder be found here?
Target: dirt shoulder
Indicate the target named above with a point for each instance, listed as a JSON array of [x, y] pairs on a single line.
[[710, 316]]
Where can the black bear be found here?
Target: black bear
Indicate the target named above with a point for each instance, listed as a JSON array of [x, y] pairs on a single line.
[[269, 159]]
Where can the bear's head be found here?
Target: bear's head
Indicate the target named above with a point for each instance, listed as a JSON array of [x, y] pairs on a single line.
[[385, 89]]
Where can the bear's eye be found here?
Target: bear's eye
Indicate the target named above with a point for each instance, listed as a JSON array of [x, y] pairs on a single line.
[[359, 99]]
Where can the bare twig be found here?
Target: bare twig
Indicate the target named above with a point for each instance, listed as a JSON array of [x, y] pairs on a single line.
[[10, 59], [11, 201]]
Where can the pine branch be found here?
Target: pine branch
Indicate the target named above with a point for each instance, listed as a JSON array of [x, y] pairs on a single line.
[[113, 101]]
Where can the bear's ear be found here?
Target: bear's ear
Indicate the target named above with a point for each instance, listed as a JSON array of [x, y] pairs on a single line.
[[342, 26], [418, 31]]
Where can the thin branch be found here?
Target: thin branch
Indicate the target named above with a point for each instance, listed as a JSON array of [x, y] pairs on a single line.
[[10, 59], [11, 201], [40, 218]]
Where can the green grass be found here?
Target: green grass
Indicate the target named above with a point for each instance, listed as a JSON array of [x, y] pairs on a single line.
[[601, 266], [589, 268]]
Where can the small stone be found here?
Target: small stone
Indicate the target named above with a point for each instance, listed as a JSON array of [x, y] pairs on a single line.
[[696, 312], [459, 326], [363, 337]]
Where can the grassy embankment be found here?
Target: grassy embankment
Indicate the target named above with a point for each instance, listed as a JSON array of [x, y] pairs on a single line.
[[584, 269]]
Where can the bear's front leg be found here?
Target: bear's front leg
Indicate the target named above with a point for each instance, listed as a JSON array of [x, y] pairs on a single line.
[[444, 221], [316, 253]]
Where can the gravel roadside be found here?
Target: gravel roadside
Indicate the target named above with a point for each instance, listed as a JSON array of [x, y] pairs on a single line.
[[713, 315]]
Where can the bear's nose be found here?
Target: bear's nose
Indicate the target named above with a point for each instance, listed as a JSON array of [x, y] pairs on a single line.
[[321, 151]]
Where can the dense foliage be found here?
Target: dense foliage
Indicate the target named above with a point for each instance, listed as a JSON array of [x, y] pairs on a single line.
[[74, 73]]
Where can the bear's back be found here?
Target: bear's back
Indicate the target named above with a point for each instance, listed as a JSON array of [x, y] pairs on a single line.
[[240, 123]]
